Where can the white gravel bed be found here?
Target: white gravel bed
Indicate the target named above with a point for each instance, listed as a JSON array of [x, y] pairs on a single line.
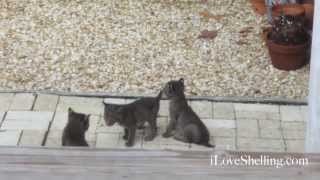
[[135, 46]]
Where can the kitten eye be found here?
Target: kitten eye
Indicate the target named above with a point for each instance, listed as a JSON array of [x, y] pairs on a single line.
[[171, 88]]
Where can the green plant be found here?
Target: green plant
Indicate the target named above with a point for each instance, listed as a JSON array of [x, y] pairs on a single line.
[[288, 30]]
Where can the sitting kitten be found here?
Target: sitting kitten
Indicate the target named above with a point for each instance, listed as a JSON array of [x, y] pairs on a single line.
[[184, 123], [134, 115], [74, 132]]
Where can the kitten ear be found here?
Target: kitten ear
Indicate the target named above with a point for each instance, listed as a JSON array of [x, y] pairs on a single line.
[[181, 80], [88, 116], [70, 110]]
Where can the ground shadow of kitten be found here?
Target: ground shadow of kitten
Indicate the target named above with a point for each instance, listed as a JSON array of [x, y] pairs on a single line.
[[134, 115], [74, 132], [184, 123]]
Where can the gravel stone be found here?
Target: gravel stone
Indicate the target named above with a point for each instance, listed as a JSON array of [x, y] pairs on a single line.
[[135, 46]]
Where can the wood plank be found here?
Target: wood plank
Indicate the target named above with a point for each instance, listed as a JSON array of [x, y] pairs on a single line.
[[85, 163]]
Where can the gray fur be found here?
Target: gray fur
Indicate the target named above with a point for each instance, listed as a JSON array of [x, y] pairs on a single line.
[[134, 115], [184, 123], [74, 132]]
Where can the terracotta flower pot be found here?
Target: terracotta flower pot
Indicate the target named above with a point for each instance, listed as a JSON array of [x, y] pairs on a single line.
[[307, 1], [288, 9], [309, 14], [288, 57], [259, 6], [265, 31]]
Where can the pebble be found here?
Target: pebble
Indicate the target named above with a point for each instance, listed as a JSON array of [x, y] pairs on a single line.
[[136, 46]]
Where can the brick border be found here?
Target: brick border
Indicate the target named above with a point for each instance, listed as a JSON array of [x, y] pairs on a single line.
[[231, 99]]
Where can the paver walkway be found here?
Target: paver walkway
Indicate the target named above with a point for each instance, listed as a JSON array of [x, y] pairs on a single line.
[[38, 120]]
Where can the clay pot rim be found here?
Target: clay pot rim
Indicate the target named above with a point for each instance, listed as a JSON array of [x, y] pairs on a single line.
[[308, 6], [276, 10], [288, 49], [290, 46]]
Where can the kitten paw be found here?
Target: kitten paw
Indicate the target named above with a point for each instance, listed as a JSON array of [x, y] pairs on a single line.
[[149, 138], [166, 135], [128, 144], [141, 127], [124, 137]]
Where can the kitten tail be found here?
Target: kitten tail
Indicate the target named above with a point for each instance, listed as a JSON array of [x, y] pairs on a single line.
[[209, 145]]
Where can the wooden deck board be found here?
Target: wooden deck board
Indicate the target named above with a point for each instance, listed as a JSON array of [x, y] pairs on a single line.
[[75, 163]]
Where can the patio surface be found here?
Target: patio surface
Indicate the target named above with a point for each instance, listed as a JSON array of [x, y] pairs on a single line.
[[28, 119]]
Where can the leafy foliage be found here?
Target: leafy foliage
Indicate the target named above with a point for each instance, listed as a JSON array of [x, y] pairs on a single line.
[[288, 30]]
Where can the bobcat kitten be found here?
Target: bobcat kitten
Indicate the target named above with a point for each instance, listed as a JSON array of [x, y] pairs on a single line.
[[134, 115], [184, 123], [74, 132]]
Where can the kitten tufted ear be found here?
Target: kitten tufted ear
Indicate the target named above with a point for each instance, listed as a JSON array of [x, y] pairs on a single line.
[[181, 80], [70, 110]]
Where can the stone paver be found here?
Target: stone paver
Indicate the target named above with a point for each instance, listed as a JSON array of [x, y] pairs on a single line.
[[293, 125], [6, 100], [165, 143], [91, 139], [30, 120], [293, 134], [220, 128], [270, 129], [270, 133], [46, 102], [223, 111], [257, 111], [259, 144], [295, 145], [232, 126], [127, 101], [93, 123], [270, 124], [247, 128], [9, 137], [108, 140], [162, 123], [202, 108], [106, 129], [1, 117], [116, 101], [115, 140], [217, 123], [32, 138], [81, 104], [224, 143], [22, 101], [54, 138], [305, 113], [164, 108], [60, 120], [222, 132], [292, 113]]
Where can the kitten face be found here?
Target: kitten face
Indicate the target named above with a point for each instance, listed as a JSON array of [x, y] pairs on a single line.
[[112, 114], [79, 118], [174, 88]]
